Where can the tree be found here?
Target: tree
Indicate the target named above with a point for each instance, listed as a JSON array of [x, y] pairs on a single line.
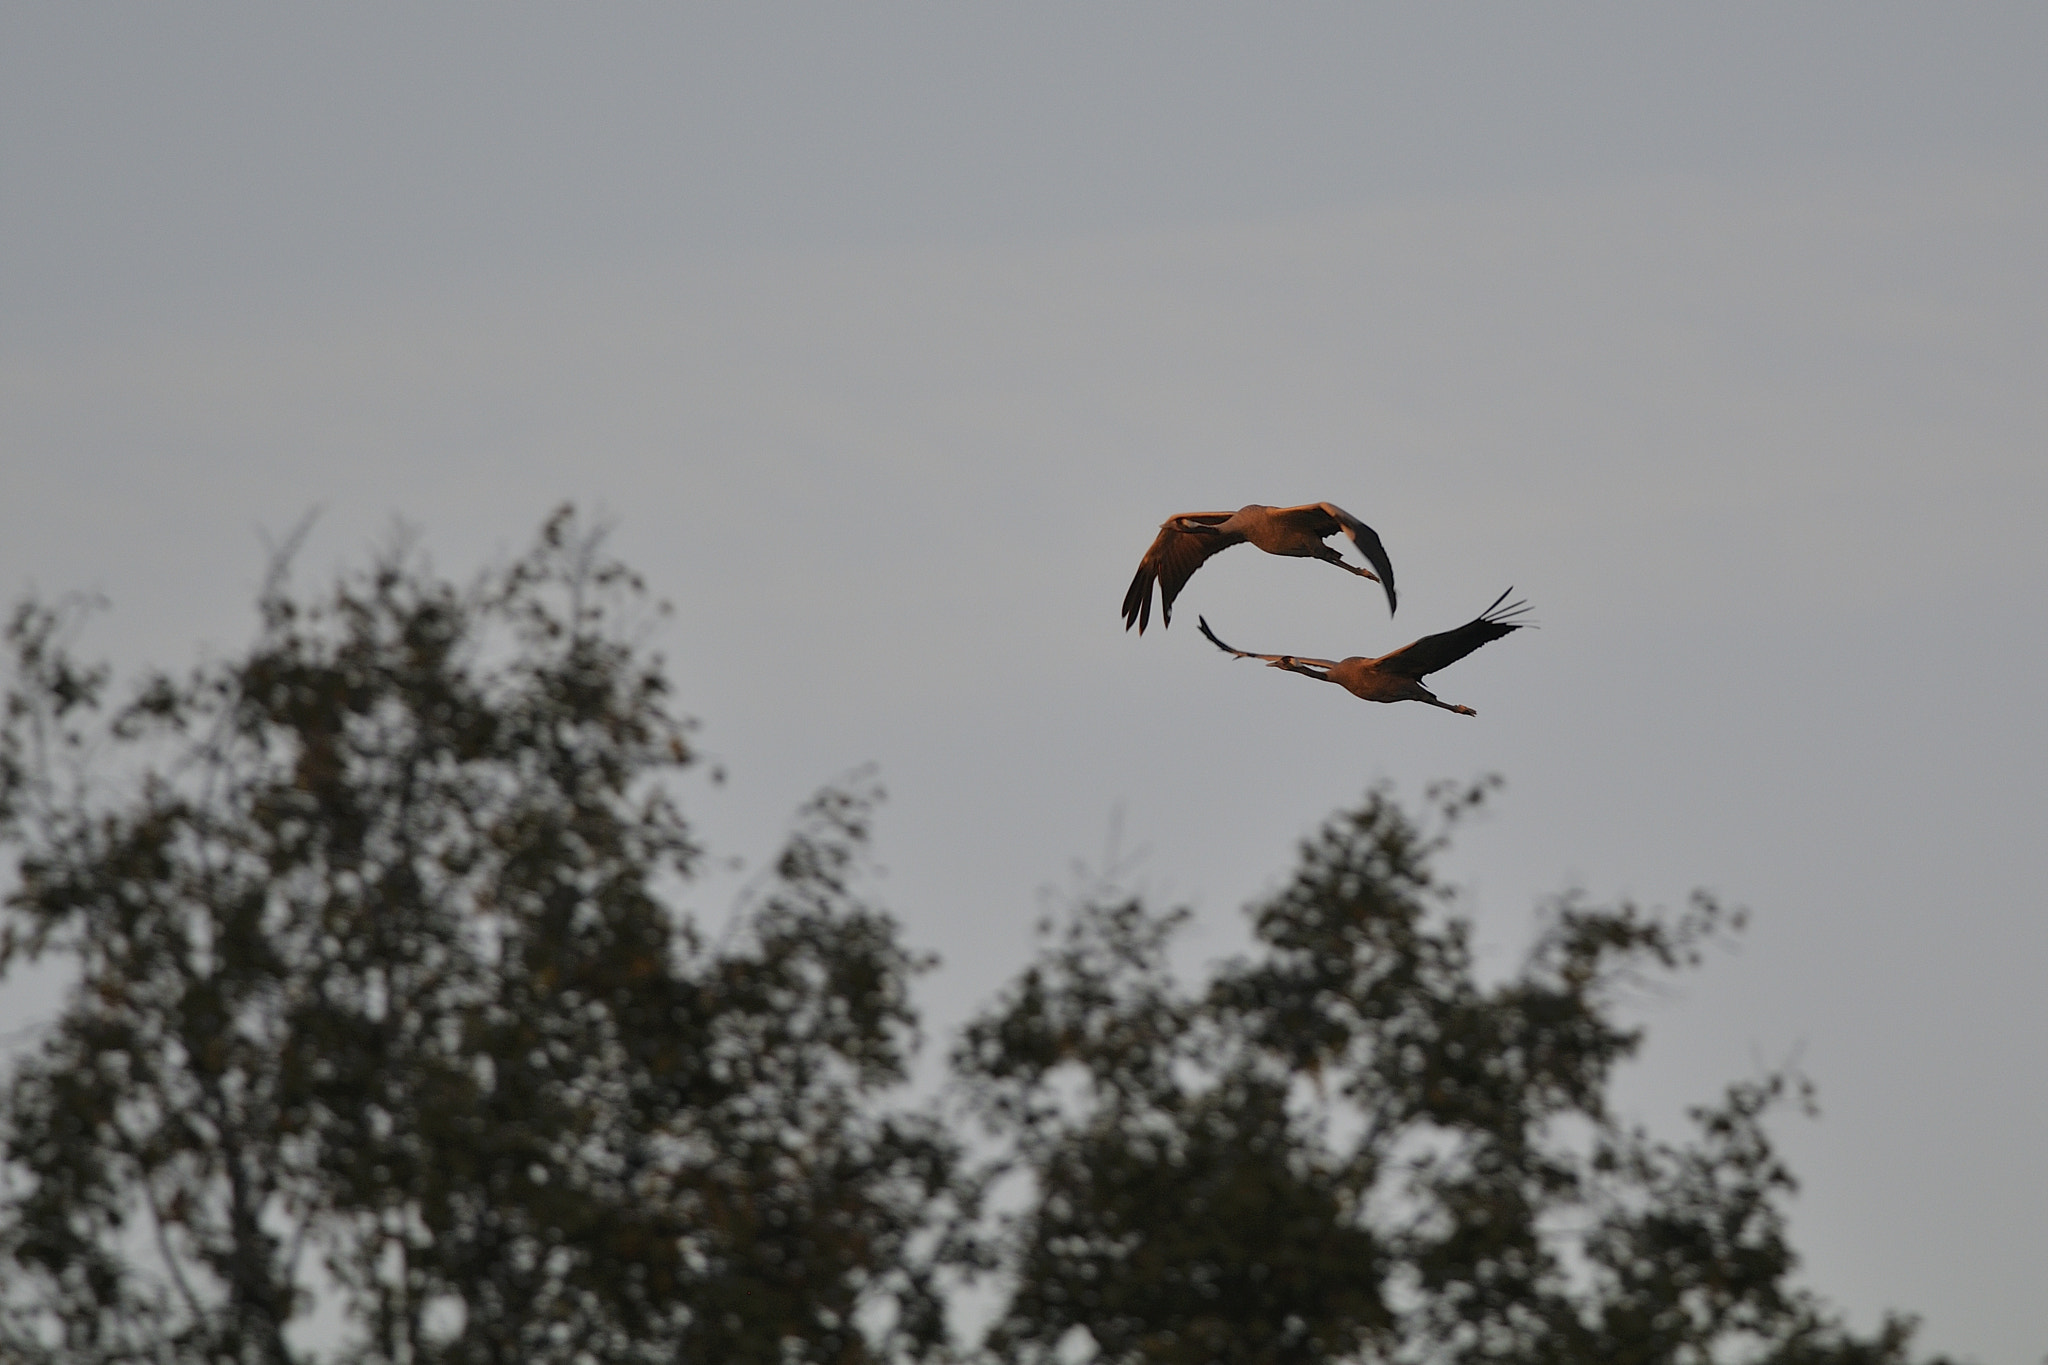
[[1345, 1146], [380, 1002]]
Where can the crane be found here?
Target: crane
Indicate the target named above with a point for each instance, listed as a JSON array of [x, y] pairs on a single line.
[[1398, 676], [1186, 540]]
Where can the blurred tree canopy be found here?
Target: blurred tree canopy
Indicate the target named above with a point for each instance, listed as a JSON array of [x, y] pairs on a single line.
[[379, 997], [387, 1042], [1345, 1146]]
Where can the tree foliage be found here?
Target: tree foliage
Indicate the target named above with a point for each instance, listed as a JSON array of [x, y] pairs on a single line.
[[387, 1040], [379, 993], [1346, 1146]]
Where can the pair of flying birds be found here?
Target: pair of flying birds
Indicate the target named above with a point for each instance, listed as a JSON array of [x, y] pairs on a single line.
[[1186, 541]]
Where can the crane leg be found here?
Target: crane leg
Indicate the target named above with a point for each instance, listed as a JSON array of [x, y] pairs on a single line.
[[1330, 556]]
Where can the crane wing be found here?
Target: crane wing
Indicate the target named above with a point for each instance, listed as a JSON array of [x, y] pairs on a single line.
[[1202, 624], [1324, 519], [1171, 561], [1431, 652], [1368, 542]]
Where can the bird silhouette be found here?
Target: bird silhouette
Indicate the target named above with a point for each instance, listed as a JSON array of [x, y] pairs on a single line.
[[1186, 541], [1397, 676]]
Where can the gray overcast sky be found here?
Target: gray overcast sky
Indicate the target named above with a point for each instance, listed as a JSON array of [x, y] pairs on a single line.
[[887, 335]]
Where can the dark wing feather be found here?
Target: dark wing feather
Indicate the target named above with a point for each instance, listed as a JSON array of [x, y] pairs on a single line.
[[1202, 624], [1432, 652], [1368, 542], [1171, 562]]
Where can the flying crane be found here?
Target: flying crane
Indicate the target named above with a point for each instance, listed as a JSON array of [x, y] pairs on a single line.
[[1185, 542], [1397, 676]]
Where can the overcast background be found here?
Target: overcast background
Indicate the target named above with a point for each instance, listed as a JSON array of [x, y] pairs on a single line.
[[888, 334]]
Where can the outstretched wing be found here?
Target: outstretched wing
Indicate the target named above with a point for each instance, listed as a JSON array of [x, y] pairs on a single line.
[[1202, 624], [1432, 652], [1171, 562], [1323, 519]]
